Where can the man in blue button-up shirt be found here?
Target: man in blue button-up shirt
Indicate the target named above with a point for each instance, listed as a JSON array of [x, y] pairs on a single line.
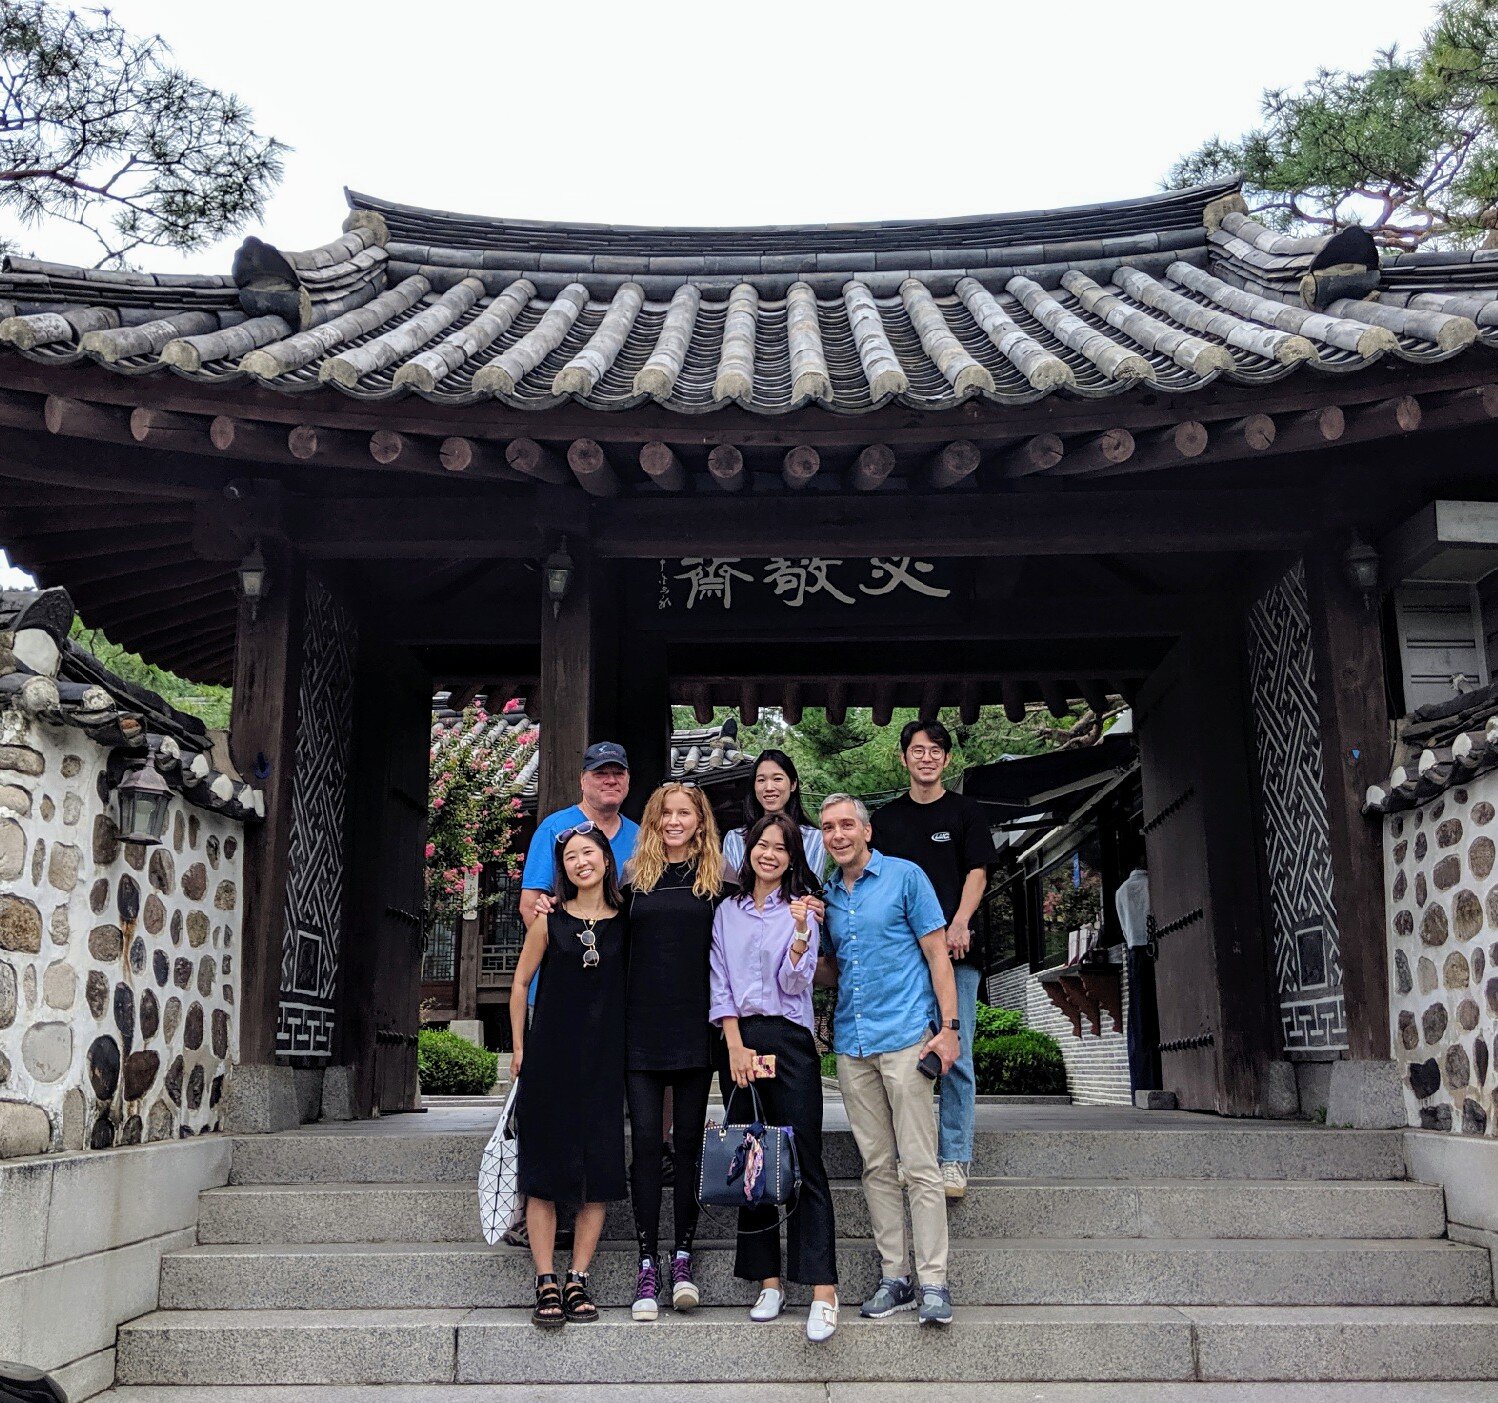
[[886, 931]]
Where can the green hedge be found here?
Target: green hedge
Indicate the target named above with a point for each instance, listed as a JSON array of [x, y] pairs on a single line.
[[1022, 1063], [452, 1066]]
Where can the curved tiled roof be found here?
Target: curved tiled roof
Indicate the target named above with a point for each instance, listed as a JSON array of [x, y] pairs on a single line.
[[1171, 293]]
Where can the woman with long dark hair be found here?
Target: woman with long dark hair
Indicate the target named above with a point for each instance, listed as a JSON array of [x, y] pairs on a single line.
[[764, 957], [775, 788], [674, 880], [570, 1105]]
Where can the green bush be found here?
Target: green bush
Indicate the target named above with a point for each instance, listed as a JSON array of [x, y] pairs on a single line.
[[995, 1022], [1020, 1063], [829, 1065], [452, 1066]]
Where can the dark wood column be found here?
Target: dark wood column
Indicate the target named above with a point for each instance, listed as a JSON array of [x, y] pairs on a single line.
[[1352, 695], [642, 714], [469, 953], [569, 644], [267, 680]]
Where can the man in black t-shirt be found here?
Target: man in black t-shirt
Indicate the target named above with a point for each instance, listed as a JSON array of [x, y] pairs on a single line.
[[948, 837]]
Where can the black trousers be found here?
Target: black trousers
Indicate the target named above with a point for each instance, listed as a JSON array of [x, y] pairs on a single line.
[[792, 1097], [646, 1094], [1143, 1029]]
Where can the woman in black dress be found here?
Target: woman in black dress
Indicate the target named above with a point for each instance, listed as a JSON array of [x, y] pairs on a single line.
[[570, 1106], [674, 881]]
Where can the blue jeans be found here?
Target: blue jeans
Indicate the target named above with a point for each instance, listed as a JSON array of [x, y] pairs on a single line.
[[959, 1086]]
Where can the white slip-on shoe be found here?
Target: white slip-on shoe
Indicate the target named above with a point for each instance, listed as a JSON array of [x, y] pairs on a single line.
[[954, 1179], [771, 1302], [821, 1323]]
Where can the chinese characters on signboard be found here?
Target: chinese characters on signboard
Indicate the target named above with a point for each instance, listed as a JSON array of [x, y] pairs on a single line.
[[716, 582]]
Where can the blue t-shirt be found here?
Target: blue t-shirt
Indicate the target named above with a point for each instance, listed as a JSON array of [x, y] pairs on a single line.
[[541, 859]]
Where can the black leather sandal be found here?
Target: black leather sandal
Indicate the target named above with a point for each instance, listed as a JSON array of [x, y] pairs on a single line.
[[576, 1301], [549, 1312]]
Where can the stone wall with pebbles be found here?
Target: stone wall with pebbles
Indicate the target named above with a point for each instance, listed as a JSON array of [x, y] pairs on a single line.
[[118, 963], [1442, 893]]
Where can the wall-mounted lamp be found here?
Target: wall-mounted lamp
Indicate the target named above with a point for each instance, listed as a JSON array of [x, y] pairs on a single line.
[[253, 579], [558, 570], [1360, 564], [142, 798]]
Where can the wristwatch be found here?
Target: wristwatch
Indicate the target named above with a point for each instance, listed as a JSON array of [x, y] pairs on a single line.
[[954, 1024]]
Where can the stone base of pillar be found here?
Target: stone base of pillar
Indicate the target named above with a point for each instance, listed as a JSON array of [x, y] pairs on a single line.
[[1366, 1095], [259, 1100], [1155, 1100], [1281, 1091], [470, 1028], [308, 1083], [338, 1093]]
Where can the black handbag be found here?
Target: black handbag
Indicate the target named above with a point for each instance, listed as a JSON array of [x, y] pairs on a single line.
[[745, 1166]]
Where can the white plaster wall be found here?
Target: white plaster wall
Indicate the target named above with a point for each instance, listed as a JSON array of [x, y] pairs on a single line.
[[119, 977], [1441, 893]]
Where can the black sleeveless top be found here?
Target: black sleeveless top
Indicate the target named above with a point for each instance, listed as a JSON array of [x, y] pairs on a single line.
[[670, 940]]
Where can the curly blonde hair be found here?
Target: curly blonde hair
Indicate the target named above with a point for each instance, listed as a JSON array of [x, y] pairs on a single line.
[[705, 850]]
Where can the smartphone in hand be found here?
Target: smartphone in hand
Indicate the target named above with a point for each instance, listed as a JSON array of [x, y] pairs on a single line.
[[930, 1065]]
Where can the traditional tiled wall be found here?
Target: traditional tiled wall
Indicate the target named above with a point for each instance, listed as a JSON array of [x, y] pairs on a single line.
[[118, 968], [1442, 900]]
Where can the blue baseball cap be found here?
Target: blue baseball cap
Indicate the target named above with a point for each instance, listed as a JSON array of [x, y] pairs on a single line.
[[604, 752]]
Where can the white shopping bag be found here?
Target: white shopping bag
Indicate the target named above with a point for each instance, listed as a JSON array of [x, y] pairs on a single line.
[[501, 1204]]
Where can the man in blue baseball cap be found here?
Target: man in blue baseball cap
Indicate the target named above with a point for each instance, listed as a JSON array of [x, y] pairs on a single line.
[[604, 785]]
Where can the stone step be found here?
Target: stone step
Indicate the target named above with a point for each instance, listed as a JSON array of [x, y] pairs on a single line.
[[1023, 1271], [385, 1154], [1014, 1343], [825, 1393], [270, 1213]]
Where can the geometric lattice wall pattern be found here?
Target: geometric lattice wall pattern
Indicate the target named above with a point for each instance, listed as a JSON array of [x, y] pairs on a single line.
[[315, 865], [1297, 838]]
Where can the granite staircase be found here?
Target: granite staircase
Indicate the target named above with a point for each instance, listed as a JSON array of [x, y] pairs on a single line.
[[1200, 1250]]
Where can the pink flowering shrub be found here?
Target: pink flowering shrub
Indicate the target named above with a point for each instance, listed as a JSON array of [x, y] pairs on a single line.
[[473, 804]]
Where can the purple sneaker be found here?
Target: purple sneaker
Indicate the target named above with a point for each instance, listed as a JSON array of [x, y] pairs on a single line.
[[684, 1292], [647, 1285]]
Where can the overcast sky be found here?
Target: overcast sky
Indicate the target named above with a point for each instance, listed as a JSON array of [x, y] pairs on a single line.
[[670, 112]]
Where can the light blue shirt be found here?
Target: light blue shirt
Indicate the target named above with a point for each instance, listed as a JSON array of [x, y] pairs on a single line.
[[884, 996], [811, 841], [541, 858]]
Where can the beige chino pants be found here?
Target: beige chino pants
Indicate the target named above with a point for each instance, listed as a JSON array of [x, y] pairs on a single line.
[[889, 1105]]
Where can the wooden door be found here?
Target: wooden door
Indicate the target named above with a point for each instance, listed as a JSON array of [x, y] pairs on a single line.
[[382, 988], [1215, 1018]]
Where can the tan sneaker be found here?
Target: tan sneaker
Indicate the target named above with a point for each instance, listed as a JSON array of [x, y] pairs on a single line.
[[954, 1179]]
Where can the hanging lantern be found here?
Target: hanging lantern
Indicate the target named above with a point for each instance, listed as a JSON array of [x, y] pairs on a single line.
[[558, 577], [143, 799], [252, 579]]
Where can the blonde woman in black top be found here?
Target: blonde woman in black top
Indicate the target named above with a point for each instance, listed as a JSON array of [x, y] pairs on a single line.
[[673, 884]]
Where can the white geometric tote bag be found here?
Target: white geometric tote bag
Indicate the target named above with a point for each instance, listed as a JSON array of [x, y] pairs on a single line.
[[501, 1204]]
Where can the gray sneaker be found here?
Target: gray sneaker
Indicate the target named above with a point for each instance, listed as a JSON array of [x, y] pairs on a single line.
[[894, 1293], [936, 1305]]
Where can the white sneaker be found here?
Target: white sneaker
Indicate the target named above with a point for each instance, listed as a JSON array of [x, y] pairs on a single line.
[[771, 1302], [954, 1179], [821, 1324]]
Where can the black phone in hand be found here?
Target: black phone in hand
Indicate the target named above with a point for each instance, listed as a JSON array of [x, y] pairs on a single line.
[[930, 1065]]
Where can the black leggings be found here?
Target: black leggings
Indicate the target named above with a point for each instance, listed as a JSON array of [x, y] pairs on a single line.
[[646, 1092]]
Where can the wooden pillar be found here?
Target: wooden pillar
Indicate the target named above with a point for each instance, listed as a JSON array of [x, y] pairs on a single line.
[[469, 952], [572, 638], [1352, 697], [267, 680], [642, 723]]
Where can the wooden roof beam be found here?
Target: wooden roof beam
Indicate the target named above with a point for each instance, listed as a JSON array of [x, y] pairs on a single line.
[[1095, 694], [701, 703], [1035, 455], [884, 701], [873, 467], [801, 464], [1457, 408], [530, 459], [1055, 698], [836, 701], [163, 428], [22, 411], [749, 703], [726, 465], [970, 702], [393, 449], [316, 443], [659, 463], [953, 463], [1254, 432], [76, 418], [791, 703], [476, 457], [1105, 450], [1014, 700], [591, 467]]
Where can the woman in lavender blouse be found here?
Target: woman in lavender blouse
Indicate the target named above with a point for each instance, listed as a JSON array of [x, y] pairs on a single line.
[[764, 955]]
